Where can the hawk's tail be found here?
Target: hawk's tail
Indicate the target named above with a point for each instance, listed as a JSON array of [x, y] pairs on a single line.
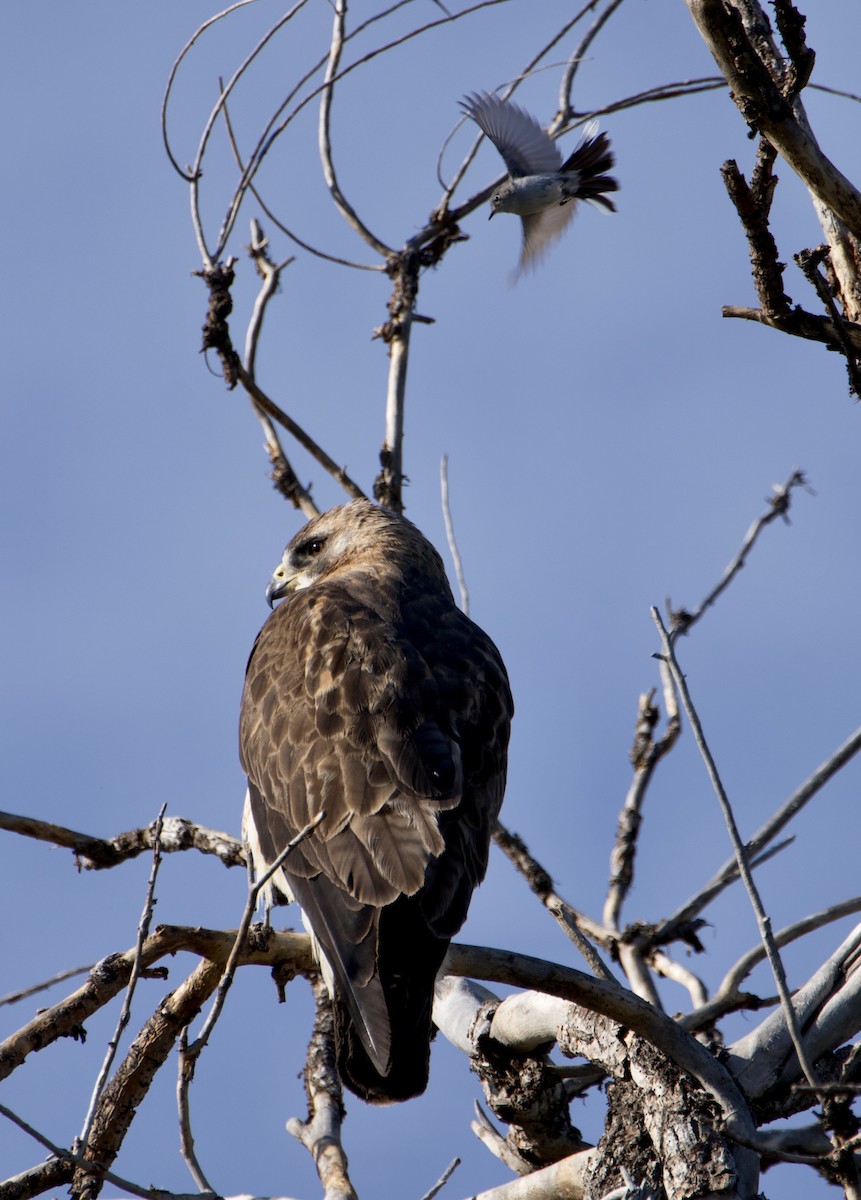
[[409, 956], [593, 158]]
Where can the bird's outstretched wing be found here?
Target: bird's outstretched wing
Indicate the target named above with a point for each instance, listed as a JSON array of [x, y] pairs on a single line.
[[525, 146], [539, 231]]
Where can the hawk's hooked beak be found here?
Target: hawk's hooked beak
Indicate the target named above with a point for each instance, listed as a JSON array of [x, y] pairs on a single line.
[[278, 586]]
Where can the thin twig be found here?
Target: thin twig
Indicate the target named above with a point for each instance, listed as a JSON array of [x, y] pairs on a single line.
[[577, 56], [109, 976], [14, 997], [571, 922], [333, 258], [741, 854], [443, 1180], [197, 167], [60, 1152], [809, 262], [743, 966], [273, 131], [185, 174], [226, 980], [765, 834], [646, 753], [449, 533], [271, 408], [185, 1074], [682, 621], [125, 1013], [325, 136], [284, 477]]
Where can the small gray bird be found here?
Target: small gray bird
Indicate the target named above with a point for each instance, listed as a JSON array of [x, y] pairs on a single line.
[[540, 185]]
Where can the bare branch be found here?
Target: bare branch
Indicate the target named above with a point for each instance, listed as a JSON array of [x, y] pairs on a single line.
[[126, 1011], [126, 1091], [574, 924], [185, 1074], [809, 261], [320, 1134], [449, 533], [333, 258], [778, 506], [728, 873], [764, 107], [743, 967], [668, 968], [186, 174], [42, 1178], [565, 112], [325, 138], [801, 324], [197, 167], [96, 854], [14, 997], [752, 205], [283, 475], [110, 976], [646, 753], [238, 948], [565, 1180], [67, 1159], [442, 1181], [828, 1007], [686, 1052], [741, 854], [317, 452]]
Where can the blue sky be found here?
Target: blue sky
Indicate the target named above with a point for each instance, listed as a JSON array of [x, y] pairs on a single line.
[[610, 439]]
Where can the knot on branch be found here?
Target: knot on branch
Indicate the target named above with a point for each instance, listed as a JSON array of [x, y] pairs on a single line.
[[432, 253], [388, 485], [525, 1093], [648, 716], [216, 335], [284, 480]]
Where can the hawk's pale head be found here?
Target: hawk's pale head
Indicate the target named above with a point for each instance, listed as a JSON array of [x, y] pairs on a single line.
[[356, 536]]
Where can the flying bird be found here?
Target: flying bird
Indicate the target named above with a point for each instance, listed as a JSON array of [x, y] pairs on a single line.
[[370, 695], [540, 187]]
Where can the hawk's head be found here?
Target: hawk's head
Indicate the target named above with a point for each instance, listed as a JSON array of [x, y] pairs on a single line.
[[355, 536]]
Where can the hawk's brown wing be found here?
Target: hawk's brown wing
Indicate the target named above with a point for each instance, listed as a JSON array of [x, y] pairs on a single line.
[[397, 725]]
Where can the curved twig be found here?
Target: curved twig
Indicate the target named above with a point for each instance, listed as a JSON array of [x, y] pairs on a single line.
[[577, 57], [325, 136], [186, 175]]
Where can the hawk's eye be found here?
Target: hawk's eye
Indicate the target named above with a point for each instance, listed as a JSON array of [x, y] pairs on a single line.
[[312, 547]]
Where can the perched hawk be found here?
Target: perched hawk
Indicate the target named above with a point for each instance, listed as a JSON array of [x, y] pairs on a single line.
[[370, 695]]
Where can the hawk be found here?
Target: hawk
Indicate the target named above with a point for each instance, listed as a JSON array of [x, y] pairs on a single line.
[[370, 695]]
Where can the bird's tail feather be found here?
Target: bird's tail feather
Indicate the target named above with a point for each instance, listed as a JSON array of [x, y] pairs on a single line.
[[593, 158]]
